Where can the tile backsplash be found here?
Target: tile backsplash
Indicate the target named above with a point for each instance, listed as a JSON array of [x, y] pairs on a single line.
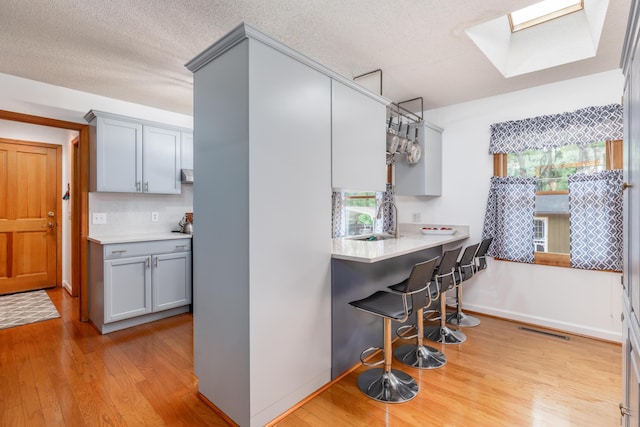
[[129, 213]]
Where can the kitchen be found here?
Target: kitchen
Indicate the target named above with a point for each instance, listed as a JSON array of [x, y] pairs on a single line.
[[494, 294]]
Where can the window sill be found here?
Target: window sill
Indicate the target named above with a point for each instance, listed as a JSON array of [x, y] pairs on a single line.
[[552, 258], [548, 258]]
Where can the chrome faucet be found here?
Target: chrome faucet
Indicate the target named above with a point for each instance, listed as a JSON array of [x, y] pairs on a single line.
[[395, 217]]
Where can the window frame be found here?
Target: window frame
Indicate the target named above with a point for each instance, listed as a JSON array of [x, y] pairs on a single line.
[[613, 160]]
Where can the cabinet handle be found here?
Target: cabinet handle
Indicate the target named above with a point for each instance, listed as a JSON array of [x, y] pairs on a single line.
[[181, 246], [149, 262], [155, 262], [119, 252], [146, 187], [138, 186]]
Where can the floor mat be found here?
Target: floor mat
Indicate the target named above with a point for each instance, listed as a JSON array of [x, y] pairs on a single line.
[[24, 308]]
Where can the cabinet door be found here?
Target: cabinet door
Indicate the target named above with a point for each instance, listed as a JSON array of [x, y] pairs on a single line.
[[171, 279], [118, 156], [161, 161], [630, 374], [187, 150], [358, 141], [127, 288]]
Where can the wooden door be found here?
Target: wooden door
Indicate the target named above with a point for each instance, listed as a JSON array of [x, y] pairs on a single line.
[[28, 216]]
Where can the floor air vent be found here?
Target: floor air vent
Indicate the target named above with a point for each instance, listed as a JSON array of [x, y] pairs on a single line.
[[537, 331]]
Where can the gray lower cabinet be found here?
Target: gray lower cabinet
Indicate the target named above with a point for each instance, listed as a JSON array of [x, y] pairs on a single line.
[[630, 406], [135, 283]]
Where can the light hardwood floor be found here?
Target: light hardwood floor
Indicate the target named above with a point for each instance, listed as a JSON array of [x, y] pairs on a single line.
[[63, 373]]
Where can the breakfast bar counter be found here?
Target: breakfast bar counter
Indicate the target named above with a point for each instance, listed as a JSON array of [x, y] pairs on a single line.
[[360, 268]]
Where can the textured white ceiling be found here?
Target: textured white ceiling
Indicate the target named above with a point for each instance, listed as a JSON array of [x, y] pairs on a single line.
[[135, 50]]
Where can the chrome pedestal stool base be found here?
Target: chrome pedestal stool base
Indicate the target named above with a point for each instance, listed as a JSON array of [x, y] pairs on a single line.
[[444, 335], [422, 357], [462, 319], [390, 387]]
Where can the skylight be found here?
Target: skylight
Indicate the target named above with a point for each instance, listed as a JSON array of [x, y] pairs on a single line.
[[542, 12], [572, 37]]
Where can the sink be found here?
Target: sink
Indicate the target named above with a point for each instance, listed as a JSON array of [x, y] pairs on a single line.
[[372, 237]]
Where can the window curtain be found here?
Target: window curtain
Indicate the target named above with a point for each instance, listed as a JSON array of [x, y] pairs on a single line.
[[338, 215], [595, 224], [579, 127], [509, 218]]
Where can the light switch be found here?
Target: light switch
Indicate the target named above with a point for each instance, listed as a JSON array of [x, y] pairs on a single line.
[[99, 217]]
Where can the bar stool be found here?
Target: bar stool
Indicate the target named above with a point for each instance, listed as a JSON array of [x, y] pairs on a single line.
[[386, 384], [481, 255], [445, 280], [418, 355], [464, 271]]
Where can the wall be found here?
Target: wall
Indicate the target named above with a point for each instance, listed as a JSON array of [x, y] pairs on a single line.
[[584, 302], [126, 213], [35, 133]]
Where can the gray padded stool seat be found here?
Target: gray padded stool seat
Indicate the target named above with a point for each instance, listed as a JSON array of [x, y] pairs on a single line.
[[445, 280], [386, 384], [464, 271], [419, 355], [481, 255]]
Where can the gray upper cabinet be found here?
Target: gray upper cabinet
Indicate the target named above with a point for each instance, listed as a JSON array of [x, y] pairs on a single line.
[[118, 150], [133, 156], [187, 150], [358, 140], [161, 163], [425, 177]]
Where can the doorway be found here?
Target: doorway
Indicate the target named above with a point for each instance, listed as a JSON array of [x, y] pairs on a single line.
[[79, 217]]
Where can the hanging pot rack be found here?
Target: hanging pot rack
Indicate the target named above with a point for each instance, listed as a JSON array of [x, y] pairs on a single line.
[[408, 114], [411, 147]]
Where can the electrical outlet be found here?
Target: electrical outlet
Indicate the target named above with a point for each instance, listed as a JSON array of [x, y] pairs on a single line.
[[154, 216], [417, 217], [99, 217]]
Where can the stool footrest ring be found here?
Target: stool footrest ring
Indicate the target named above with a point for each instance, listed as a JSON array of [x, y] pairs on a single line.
[[366, 352], [404, 328]]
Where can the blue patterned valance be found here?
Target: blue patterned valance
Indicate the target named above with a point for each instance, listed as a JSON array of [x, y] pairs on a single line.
[[580, 127]]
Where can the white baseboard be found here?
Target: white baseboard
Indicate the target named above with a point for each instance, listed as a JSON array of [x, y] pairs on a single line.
[[615, 336], [66, 285]]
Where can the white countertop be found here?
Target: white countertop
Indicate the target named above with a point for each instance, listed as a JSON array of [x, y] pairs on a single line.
[[411, 240], [142, 237]]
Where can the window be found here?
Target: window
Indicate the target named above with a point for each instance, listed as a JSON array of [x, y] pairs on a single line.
[[551, 168], [540, 225], [541, 12], [553, 165], [360, 213]]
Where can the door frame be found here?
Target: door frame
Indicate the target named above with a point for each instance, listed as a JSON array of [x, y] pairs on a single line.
[[80, 217]]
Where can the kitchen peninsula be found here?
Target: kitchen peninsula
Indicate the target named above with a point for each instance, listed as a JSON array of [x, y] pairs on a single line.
[[360, 268]]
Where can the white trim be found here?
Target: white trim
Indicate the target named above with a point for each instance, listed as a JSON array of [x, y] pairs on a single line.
[[244, 31], [615, 336], [67, 286]]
